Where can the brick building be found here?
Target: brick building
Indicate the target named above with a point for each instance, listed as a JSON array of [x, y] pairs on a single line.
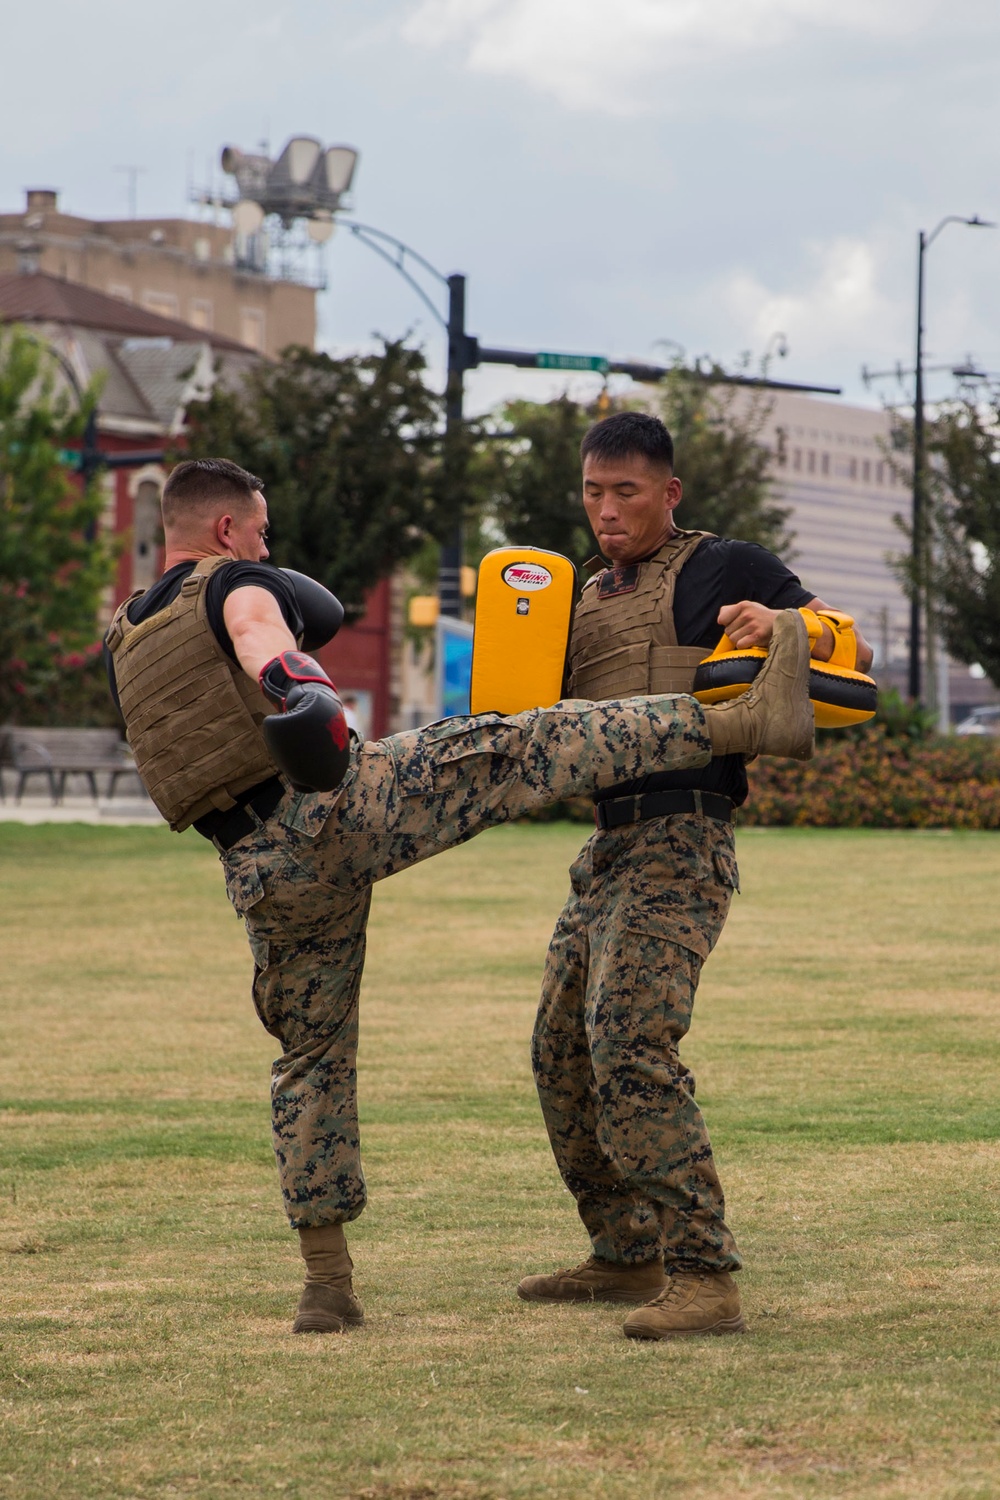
[[196, 273], [151, 368]]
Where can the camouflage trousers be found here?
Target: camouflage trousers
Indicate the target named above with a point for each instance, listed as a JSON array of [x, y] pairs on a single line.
[[647, 905], [302, 882]]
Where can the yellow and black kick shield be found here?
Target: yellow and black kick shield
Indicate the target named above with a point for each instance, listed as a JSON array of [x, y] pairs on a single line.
[[841, 696], [524, 608]]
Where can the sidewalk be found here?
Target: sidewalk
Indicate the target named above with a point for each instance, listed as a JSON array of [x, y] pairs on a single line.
[[36, 806]]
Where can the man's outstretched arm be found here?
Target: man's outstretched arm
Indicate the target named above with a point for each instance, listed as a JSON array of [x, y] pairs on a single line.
[[751, 624], [308, 739]]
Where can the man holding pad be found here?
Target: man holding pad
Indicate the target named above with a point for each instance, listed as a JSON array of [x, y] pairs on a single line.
[[650, 893]]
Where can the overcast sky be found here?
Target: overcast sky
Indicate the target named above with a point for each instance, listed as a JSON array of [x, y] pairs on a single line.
[[609, 173]]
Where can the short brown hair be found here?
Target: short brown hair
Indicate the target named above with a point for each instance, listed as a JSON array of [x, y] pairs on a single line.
[[198, 483]]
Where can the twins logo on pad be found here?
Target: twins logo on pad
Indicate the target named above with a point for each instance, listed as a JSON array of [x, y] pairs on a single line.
[[526, 577]]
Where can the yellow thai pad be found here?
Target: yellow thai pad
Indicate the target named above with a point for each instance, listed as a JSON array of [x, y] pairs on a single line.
[[840, 695], [524, 606]]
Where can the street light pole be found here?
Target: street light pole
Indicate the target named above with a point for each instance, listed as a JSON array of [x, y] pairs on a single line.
[[462, 356], [917, 520], [450, 569], [918, 524]]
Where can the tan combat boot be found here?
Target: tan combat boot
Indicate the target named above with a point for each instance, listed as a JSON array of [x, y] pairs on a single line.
[[596, 1281], [692, 1302], [327, 1304], [774, 716]]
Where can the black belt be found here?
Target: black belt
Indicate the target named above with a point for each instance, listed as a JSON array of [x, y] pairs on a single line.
[[615, 812], [227, 828]]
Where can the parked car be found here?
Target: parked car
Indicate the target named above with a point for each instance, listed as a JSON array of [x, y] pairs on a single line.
[[983, 720]]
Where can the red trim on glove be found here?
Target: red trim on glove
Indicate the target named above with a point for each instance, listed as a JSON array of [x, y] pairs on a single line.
[[298, 668], [303, 668]]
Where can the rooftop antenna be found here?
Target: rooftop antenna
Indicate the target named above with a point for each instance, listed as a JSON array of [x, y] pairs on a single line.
[[133, 188]]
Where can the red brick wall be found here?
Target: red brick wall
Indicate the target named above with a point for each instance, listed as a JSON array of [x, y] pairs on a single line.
[[359, 656]]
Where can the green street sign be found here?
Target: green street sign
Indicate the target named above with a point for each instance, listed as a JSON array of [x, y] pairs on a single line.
[[572, 362]]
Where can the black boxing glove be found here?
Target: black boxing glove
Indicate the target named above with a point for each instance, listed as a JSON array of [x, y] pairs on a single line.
[[322, 612], [309, 740]]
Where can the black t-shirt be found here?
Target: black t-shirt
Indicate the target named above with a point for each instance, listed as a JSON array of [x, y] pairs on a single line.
[[220, 585], [718, 572]]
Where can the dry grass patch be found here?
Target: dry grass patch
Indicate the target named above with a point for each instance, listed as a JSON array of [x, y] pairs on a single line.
[[848, 1074]]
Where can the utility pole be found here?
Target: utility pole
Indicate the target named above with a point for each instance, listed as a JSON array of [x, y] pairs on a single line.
[[917, 518], [462, 356]]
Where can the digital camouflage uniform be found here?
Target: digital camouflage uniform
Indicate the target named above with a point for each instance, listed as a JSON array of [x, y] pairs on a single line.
[[302, 882], [647, 904]]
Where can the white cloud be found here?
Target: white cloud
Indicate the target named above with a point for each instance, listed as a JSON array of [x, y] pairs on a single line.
[[843, 306], [589, 54]]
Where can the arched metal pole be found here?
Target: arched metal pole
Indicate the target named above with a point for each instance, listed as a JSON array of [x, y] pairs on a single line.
[[461, 357], [371, 237]]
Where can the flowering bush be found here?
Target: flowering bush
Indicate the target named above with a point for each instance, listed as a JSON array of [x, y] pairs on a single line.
[[870, 778], [58, 687], [55, 557], [877, 780]]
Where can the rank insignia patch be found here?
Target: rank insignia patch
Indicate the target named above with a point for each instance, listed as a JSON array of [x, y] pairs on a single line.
[[618, 580]]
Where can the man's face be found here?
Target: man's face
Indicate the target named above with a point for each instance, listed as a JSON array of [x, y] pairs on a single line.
[[245, 536], [629, 504]]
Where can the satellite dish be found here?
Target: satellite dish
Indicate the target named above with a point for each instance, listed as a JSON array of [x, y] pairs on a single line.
[[247, 216], [320, 228], [340, 162]]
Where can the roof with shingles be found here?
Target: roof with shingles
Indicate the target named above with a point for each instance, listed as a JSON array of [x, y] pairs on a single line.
[[37, 297], [165, 377]]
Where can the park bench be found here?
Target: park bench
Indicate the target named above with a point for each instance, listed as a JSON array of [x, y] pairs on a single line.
[[57, 754]]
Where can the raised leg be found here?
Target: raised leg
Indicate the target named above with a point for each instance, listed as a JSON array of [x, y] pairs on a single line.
[[454, 779], [303, 886]]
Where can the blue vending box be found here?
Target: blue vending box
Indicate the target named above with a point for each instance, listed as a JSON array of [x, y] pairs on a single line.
[[454, 666]]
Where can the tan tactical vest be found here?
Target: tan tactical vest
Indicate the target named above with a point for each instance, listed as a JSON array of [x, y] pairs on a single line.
[[624, 641], [192, 716]]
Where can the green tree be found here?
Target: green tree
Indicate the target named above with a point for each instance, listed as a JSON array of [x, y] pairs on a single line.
[[528, 483], [963, 569], [721, 461], [349, 453], [54, 562]]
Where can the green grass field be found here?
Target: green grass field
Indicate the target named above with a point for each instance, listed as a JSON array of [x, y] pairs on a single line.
[[846, 1045]]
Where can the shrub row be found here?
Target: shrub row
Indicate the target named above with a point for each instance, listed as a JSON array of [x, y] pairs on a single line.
[[876, 780], [870, 779]]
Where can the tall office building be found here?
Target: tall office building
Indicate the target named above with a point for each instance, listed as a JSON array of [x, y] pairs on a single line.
[[834, 467]]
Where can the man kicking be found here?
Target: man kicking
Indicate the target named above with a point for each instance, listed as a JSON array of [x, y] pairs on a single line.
[[229, 721]]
